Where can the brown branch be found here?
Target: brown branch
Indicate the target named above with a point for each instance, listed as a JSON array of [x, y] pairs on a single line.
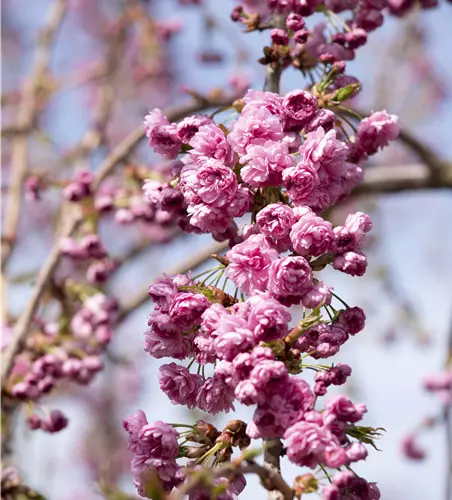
[[26, 116], [190, 263], [45, 274], [392, 178], [271, 480], [272, 454]]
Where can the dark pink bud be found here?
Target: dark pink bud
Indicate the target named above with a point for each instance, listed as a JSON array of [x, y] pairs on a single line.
[[92, 363], [46, 385], [279, 37], [356, 38], [33, 422], [75, 191], [93, 246], [55, 422], [301, 36], [294, 22]]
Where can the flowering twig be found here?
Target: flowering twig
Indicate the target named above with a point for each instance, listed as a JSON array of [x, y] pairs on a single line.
[[189, 264], [118, 154]]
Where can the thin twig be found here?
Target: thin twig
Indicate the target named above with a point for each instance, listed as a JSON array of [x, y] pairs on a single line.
[[124, 148], [191, 263], [26, 117]]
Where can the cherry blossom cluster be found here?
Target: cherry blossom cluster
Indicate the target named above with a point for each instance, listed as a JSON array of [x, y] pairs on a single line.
[[58, 352], [348, 21], [283, 160]]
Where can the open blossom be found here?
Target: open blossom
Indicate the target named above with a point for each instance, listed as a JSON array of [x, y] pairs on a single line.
[[208, 219], [211, 183], [299, 106], [190, 125], [210, 142], [275, 220], [312, 236], [215, 396], [307, 443], [260, 124], [284, 406], [375, 131], [162, 135], [187, 308], [249, 263], [323, 150], [232, 337], [160, 343], [160, 440], [179, 384], [300, 181], [264, 164], [290, 277], [268, 319], [340, 408], [352, 319], [353, 263], [144, 470], [256, 99]]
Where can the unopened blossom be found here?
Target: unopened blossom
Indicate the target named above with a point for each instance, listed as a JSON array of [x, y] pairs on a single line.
[[54, 422], [249, 263], [317, 296], [279, 36], [215, 396], [353, 263], [264, 163], [275, 220], [294, 21], [179, 384], [312, 236]]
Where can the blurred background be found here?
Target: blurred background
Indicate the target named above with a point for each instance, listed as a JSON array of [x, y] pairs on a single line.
[[110, 61]]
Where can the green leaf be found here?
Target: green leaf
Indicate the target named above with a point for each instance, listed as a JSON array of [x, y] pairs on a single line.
[[345, 93]]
